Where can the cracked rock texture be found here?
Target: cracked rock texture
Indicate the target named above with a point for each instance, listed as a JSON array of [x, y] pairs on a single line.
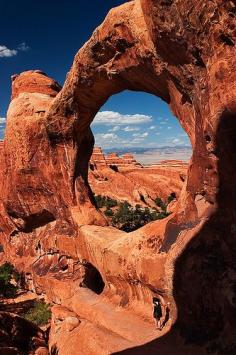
[[184, 52]]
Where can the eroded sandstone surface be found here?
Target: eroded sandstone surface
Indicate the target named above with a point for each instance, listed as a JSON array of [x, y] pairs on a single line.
[[124, 179], [102, 279]]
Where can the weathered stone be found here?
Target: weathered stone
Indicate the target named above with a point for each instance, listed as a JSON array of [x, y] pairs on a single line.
[[71, 323]]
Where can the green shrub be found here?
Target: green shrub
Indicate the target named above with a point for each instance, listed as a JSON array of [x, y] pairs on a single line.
[[171, 197], [128, 218], [160, 203], [108, 212], [99, 201], [163, 215], [110, 202], [105, 201], [7, 273], [40, 314]]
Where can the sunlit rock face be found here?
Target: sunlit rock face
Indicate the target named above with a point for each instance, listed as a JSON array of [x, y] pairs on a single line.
[[124, 179], [183, 52]]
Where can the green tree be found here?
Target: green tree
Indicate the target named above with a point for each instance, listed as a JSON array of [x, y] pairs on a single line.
[[7, 274], [110, 202], [108, 212], [159, 203], [171, 197], [40, 314]]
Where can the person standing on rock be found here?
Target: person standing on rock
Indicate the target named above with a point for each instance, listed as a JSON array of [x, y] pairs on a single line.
[[157, 312]]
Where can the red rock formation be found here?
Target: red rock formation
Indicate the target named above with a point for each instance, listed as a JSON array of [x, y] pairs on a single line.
[[129, 160], [130, 183], [97, 159], [183, 52], [34, 81], [112, 159]]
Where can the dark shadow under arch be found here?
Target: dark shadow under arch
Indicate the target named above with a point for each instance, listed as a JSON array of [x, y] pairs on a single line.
[[204, 281], [93, 279]]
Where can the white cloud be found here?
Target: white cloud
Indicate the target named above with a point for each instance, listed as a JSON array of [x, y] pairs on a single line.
[[130, 129], [157, 133], [169, 127], [6, 52], [106, 139], [140, 135], [176, 140], [163, 122], [23, 47], [136, 141], [2, 120], [114, 129], [111, 117], [152, 127], [109, 135], [111, 140]]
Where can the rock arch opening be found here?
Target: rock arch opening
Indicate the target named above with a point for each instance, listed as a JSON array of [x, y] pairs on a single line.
[[138, 137]]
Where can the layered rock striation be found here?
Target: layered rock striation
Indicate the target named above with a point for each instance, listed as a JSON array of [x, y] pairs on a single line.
[[184, 53], [98, 159]]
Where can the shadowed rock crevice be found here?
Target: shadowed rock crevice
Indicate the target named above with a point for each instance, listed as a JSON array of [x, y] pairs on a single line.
[[93, 279]]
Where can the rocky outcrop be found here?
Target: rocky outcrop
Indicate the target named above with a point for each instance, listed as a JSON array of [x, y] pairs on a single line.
[[113, 160], [184, 53], [123, 178], [98, 159], [19, 336]]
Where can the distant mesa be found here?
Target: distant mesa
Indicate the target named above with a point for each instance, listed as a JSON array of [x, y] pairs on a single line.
[[99, 159]]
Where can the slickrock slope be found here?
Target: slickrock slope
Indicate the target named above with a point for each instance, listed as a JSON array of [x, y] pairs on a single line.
[[184, 52], [123, 178]]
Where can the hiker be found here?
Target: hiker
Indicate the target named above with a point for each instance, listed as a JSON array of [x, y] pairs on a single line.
[[157, 312]]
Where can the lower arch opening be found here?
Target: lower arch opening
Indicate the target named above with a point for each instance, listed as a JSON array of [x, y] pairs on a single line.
[[93, 279]]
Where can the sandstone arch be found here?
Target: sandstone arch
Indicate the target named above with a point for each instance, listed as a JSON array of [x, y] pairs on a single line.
[[184, 53]]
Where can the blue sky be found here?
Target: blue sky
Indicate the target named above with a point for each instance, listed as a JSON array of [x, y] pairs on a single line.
[[136, 119], [46, 35]]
